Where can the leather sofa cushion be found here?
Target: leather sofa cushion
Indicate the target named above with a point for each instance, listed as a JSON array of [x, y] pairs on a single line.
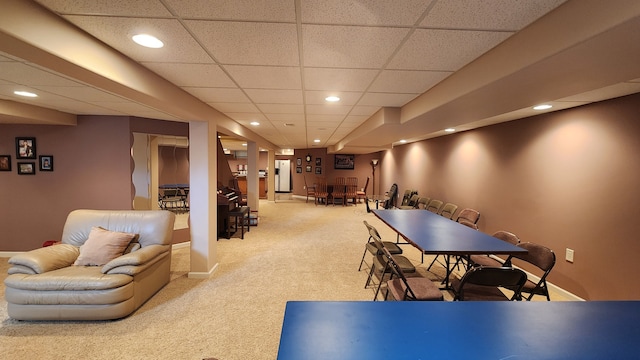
[[70, 297], [68, 278]]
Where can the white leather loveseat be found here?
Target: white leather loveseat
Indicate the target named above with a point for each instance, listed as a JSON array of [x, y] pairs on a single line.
[[55, 283]]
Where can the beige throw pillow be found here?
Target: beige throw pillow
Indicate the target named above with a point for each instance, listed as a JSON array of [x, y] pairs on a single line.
[[103, 246]]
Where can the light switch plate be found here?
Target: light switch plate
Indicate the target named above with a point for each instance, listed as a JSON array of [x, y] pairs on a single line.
[[569, 255]]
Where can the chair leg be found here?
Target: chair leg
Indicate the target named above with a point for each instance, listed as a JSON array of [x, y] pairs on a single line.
[[363, 256]]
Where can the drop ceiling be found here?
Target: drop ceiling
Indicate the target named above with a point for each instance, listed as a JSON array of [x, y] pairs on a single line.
[[404, 69]]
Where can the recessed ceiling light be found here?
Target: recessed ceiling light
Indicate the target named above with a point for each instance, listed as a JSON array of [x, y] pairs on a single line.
[[542, 107], [255, 123], [316, 140], [289, 124], [244, 144], [403, 141], [148, 41], [449, 129], [332, 98], [25, 93]]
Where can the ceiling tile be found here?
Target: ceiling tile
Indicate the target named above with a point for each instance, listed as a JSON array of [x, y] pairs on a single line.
[[203, 75], [364, 110], [220, 95], [349, 46], [281, 109], [143, 8], [179, 47], [444, 50], [338, 79], [324, 117], [248, 43], [234, 107], [272, 96], [386, 99], [370, 12], [246, 10], [297, 119], [406, 81], [328, 109], [265, 77], [355, 120], [241, 116], [487, 14]]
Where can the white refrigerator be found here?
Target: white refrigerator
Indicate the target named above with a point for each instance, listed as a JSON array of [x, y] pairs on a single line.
[[283, 176]]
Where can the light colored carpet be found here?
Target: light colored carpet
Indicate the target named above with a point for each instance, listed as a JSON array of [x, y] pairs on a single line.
[[297, 252]]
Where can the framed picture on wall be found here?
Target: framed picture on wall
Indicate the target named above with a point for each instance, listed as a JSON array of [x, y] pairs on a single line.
[[299, 162], [46, 162], [298, 169], [308, 168], [318, 170], [345, 162], [5, 162], [26, 168], [25, 148], [318, 161]]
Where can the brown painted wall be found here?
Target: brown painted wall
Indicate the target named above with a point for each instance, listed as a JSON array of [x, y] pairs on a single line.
[[92, 169], [565, 180]]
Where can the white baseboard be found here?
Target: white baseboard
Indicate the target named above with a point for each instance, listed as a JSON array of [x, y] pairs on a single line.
[[9, 254]]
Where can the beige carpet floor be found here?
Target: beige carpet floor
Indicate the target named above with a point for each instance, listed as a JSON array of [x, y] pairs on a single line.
[[297, 252]]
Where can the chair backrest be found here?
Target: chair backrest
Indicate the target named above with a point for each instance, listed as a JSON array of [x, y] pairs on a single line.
[[413, 200], [393, 197], [373, 232], [540, 256], [397, 272], [468, 224], [405, 197], [448, 210], [352, 186], [506, 277], [422, 203], [507, 236], [366, 185], [469, 214], [321, 185], [434, 206]]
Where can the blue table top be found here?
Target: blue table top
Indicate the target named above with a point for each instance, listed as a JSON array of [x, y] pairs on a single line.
[[460, 330], [435, 234]]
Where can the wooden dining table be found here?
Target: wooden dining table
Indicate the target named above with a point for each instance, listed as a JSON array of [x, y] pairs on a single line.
[[434, 234]]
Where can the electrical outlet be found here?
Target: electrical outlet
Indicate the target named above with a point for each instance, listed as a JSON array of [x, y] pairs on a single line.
[[569, 255]]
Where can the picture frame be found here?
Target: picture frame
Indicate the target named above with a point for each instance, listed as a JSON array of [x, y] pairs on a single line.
[[318, 161], [5, 162], [299, 161], [298, 169], [344, 162], [308, 168], [26, 148], [318, 170], [26, 168], [46, 162]]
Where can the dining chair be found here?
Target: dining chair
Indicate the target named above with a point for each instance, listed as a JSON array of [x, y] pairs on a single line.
[[402, 288], [371, 247], [488, 260], [321, 190], [483, 283], [422, 202], [448, 210], [543, 259], [362, 193], [339, 190], [311, 190], [351, 189]]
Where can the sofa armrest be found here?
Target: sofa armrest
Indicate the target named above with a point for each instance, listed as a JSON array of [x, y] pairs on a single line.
[[45, 259], [134, 262]]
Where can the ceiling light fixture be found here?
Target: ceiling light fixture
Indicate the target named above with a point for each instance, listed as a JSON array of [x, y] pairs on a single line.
[[255, 123], [316, 140], [542, 107], [244, 144], [147, 41], [25, 93], [403, 141], [449, 129], [332, 98]]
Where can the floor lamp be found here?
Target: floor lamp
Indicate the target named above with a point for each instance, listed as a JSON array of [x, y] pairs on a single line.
[[374, 163]]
